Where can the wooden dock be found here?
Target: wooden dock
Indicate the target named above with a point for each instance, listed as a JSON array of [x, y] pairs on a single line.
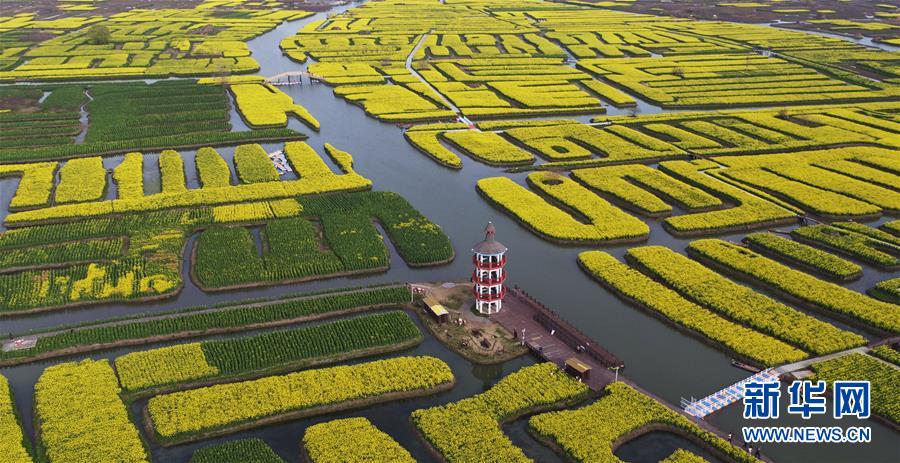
[[554, 339]]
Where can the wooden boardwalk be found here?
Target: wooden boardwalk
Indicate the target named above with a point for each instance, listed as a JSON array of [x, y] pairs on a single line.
[[553, 338]]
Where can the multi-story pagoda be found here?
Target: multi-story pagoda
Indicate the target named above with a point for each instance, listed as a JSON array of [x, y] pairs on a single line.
[[489, 258]]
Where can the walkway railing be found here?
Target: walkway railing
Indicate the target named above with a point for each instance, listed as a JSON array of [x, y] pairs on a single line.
[[731, 394], [565, 332]]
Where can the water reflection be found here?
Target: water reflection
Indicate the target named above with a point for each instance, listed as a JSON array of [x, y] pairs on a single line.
[[488, 374]]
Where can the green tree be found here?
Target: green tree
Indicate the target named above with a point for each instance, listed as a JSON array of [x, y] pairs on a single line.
[[98, 35]]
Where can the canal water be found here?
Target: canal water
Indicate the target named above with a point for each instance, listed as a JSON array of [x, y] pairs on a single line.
[[659, 358]]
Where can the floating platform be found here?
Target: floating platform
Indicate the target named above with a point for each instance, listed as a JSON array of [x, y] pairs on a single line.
[[280, 162]]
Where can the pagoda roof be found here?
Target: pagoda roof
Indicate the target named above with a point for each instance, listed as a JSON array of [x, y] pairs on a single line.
[[489, 245]]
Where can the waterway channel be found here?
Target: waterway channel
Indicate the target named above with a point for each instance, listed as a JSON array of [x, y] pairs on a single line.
[[659, 358]]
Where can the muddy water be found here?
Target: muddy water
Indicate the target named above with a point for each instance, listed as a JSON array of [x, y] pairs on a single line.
[[658, 357]]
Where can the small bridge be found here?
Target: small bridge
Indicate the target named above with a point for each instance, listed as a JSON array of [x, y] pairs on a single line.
[[731, 394], [287, 78]]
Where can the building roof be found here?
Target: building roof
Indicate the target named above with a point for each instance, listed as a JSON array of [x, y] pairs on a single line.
[[489, 245], [435, 307], [577, 365]]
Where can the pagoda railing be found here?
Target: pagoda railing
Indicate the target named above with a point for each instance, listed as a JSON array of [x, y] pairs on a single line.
[[488, 265], [488, 281], [489, 297]]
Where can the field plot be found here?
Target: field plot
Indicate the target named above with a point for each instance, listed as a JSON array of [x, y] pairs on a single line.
[[644, 292], [659, 137], [884, 377], [882, 251], [193, 322], [865, 17], [30, 123], [605, 223], [804, 256], [266, 106], [843, 59], [81, 416], [76, 254], [440, 60], [826, 297], [592, 432], [119, 118], [716, 195], [528, 390], [175, 257], [703, 302], [730, 80], [141, 43], [887, 290], [280, 350], [220, 409], [13, 441], [237, 451], [730, 315], [352, 440]]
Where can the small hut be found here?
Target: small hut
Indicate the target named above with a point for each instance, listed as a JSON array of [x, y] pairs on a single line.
[[577, 368], [436, 310]]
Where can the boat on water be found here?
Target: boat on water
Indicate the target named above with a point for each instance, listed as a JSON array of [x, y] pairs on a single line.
[[744, 366]]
